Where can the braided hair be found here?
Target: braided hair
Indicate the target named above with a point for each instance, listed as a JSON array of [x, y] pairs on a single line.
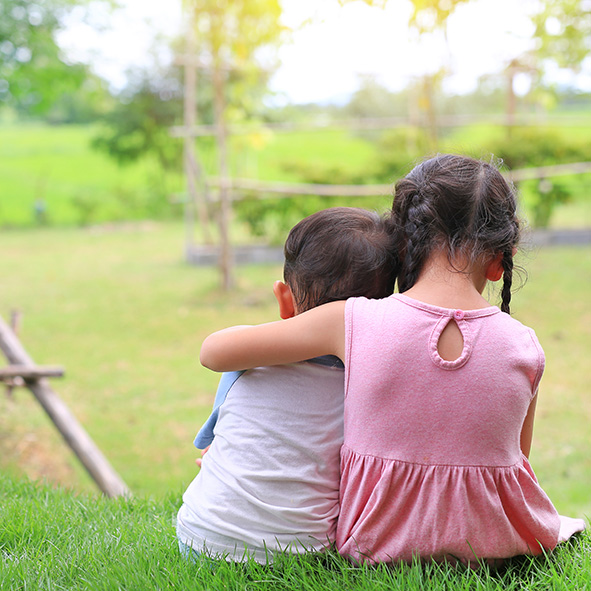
[[458, 204]]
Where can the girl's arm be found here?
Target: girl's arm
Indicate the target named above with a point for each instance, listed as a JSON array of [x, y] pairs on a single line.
[[528, 427], [320, 331]]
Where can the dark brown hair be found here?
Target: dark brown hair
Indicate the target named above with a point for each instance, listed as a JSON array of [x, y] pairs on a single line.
[[339, 253], [460, 204]]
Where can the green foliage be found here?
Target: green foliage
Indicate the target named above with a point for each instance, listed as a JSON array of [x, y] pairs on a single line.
[[535, 146], [562, 29], [139, 123], [33, 74], [399, 149], [231, 36], [272, 218], [84, 104], [396, 150], [228, 36], [56, 165], [547, 195], [235, 29], [372, 100]]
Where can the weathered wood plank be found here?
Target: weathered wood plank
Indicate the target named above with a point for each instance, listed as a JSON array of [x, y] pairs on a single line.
[[290, 189], [30, 372]]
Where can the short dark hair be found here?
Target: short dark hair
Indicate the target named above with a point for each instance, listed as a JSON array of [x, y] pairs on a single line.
[[339, 253]]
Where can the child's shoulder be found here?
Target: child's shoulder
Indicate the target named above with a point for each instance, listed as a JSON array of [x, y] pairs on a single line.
[[513, 324]]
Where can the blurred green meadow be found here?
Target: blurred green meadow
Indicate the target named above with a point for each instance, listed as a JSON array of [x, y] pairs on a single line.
[[80, 186], [119, 308]]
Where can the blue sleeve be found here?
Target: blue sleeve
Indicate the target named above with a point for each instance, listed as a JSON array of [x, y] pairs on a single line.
[[206, 435]]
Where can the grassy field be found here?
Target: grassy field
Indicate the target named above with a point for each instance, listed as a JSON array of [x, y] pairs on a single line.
[[54, 540], [125, 316], [57, 165], [81, 186]]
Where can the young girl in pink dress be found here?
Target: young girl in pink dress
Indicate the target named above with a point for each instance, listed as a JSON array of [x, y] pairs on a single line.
[[440, 386]]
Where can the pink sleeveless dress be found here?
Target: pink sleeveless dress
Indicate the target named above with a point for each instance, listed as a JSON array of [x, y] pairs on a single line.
[[431, 464]]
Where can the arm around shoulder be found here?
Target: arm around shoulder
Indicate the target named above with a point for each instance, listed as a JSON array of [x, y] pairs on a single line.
[[319, 331]]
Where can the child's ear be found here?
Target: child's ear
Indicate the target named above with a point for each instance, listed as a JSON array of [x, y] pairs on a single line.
[[284, 298], [494, 269]]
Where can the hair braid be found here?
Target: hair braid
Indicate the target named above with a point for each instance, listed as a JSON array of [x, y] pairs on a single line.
[[460, 206], [416, 250], [507, 263]]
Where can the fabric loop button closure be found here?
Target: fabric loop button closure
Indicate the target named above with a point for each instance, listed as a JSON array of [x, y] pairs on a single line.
[[459, 315]]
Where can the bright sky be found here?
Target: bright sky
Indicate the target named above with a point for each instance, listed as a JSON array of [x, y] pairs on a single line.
[[324, 61]]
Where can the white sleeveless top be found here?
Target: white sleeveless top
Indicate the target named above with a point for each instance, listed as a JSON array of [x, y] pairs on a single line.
[[270, 480]]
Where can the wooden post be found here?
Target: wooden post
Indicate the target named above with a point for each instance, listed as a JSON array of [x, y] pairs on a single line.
[[192, 169], [429, 95], [76, 437], [226, 256], [511, 99]]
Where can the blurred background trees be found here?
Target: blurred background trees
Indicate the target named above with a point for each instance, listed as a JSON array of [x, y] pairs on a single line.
[[236, 46], [36, 78]]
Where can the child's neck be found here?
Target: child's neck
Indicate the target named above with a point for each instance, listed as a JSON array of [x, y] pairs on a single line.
[[440, 284]]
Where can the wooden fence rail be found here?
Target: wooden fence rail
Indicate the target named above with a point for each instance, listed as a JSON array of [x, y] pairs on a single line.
[[379, 123], [241, 186], [30, 372]]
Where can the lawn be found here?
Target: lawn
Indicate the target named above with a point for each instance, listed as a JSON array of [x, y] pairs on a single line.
[[77, 184], [51, 539], [119, 308], [125, 316]]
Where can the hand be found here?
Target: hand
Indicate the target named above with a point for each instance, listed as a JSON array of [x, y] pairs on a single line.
[[199, 461]]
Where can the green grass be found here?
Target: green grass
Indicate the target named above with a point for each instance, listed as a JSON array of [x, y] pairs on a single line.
[[555, 302], [82, 186], [271, 159], [53, 539], [56, 164], [126, 317]]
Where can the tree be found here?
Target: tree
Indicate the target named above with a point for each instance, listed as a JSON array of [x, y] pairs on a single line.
[[231, 38], [139, 122], [429, 16], [374, 100], [563, 31], [33, 73]]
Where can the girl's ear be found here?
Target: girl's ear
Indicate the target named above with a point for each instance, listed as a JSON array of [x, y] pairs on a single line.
[[494, 269], [284, 298]]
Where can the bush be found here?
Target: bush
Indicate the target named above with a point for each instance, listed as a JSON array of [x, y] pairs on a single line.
[[532, 147], [396, 151], [273, 218]]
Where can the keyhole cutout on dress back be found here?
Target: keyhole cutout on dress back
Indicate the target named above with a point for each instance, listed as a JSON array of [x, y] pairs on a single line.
[[451, 342]]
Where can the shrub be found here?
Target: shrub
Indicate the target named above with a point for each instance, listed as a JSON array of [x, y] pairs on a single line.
[[534, 146]]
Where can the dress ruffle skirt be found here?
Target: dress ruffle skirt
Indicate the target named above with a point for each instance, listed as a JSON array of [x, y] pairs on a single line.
[[393, 510]]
